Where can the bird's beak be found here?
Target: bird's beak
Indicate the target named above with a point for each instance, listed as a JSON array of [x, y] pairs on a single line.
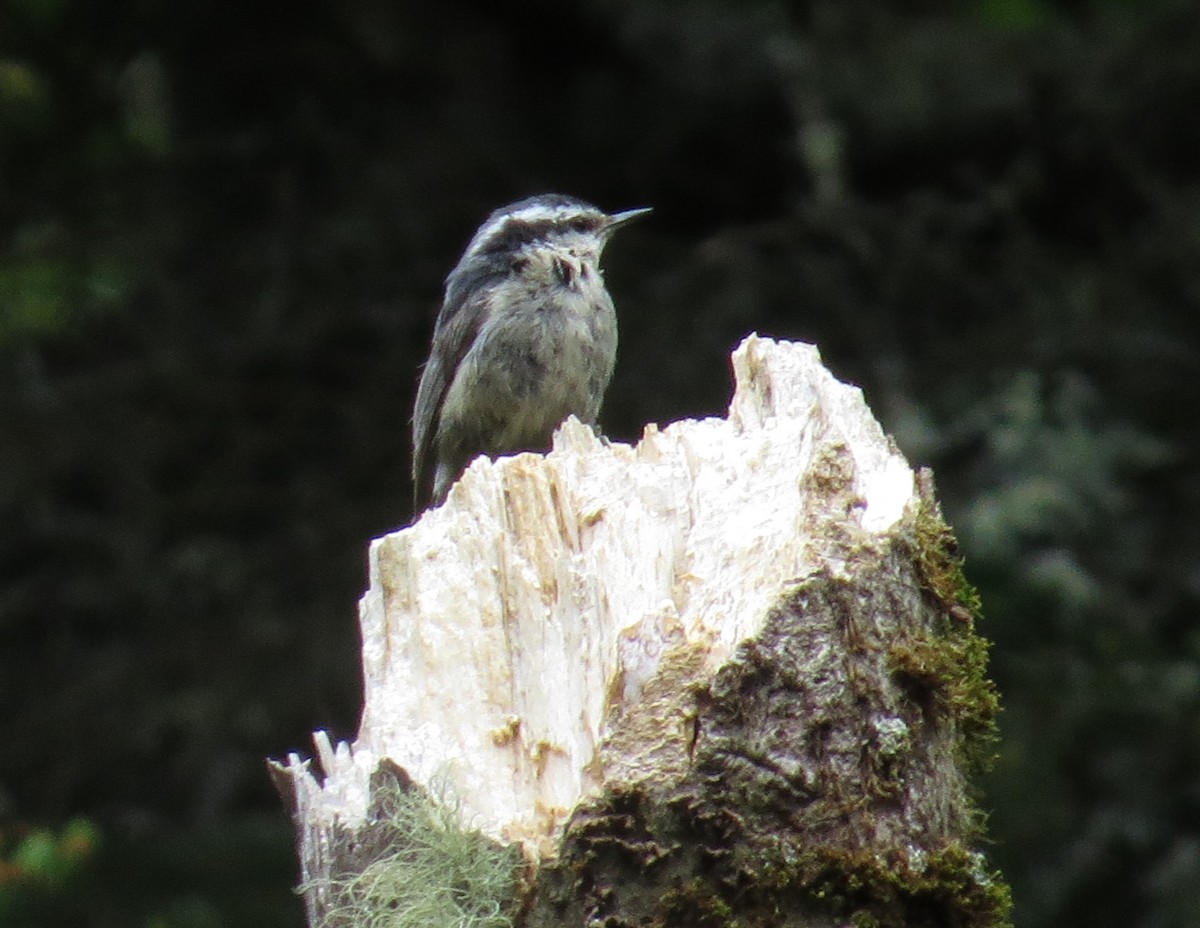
[[616, 220]]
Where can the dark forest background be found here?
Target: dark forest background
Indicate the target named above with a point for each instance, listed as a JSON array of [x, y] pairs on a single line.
[[223, 231]]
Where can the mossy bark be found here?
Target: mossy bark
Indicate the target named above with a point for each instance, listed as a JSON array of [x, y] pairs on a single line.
[[824, 786]]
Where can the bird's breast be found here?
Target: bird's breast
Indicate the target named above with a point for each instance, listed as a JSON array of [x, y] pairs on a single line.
[[543, 353]]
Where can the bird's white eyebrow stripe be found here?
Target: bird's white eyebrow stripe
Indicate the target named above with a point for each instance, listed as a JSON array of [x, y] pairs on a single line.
[[535, 213], [538, 212]]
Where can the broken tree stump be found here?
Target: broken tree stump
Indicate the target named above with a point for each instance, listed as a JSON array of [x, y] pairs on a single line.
[[727, 675]]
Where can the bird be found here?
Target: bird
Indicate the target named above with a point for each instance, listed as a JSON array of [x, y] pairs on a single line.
[[526, 336]]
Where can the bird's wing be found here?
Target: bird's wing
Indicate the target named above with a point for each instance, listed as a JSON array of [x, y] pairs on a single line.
[[458, 324]]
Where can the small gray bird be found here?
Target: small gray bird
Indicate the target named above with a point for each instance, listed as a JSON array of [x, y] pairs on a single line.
[[526, 336]]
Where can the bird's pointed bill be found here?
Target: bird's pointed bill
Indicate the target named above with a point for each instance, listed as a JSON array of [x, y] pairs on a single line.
[[616, 220]]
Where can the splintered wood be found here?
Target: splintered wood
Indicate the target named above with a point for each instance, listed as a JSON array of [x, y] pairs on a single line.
[[539, 636]]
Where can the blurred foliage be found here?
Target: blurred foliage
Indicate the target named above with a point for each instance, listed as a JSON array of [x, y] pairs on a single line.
[[234, 872], [39, 866], [223, 233]]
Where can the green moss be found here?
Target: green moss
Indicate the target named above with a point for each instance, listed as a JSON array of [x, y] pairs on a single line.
[[948, 887], [862, 919], [951, 671], [434, 872], [695, 903], [940, 565], [949, 666]]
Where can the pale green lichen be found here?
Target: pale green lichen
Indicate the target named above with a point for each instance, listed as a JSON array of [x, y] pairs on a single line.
[[434, 872]]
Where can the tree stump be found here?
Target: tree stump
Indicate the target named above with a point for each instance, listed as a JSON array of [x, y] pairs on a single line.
[[728, 675]]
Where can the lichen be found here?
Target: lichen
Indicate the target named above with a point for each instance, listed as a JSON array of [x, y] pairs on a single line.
[[434, 872]]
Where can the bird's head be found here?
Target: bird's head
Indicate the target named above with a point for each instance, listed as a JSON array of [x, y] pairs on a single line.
[[530, 235]]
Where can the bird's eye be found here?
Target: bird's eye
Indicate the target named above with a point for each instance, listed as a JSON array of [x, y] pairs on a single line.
[[519, 264], [580, 225]]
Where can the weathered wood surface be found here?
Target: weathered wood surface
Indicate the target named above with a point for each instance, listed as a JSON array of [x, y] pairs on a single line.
[[729, 672]]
